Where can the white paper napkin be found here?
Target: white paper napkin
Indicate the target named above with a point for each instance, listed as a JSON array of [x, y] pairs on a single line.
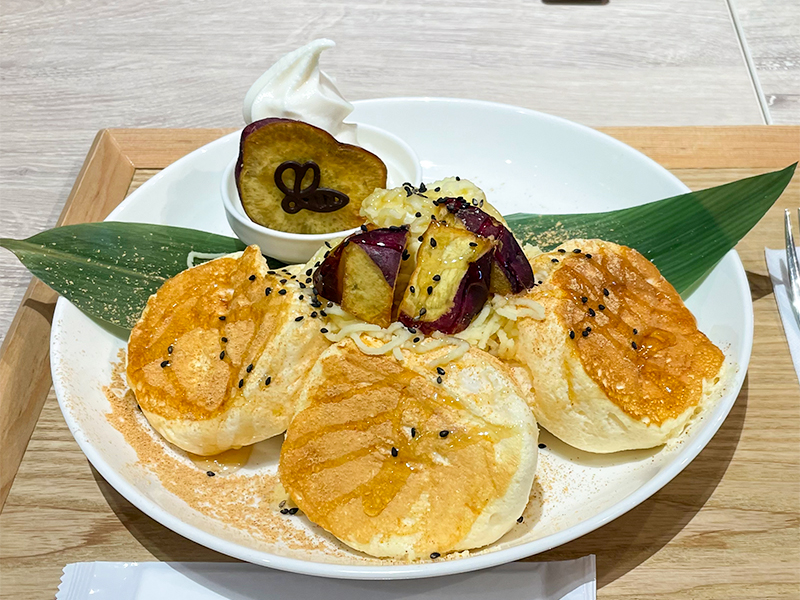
[[558, 580], [776, 263]]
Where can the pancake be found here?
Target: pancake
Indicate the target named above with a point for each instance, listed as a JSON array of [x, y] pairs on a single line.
[[397, 465], [215, 362], [618, 362]]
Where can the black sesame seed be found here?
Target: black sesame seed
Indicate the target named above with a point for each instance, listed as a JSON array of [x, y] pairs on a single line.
[[308, 271], [364, 228], [316, 264], [433, 217], [589, 329], [300, 318], [433, 243], [283, 281], [542, 445], [577, 251], [314, 314], [418, 214], [241, 382], [601, 307], [282, 292], [293, 510], [422, 188], [437, 277], [440, 370], [572, 335], [327, 253], [327, 244], [587, 255], [634, 346], [555, 260], [323, 313], [324, 330], [282, 504], [585, 333], [539, 282], [438, 189], [413, 432], [473, 244], [458, 178], [439, 379], [416, 340], [210, 473], [435, 555], [164, 364], [562, 251], [300, 297], [267, 291], [520, 519], [222, 318], [422, 311], [444, 433], [224, 339], [591, 312], [394, 451], [249, 367], [169, 350], [284, 511], [268, 381], [252, 278], [222, 355], [330, 304], [430, 289], [411, 289], [584, 299], [316, 304], [302, 285], [605, 292], [635, 332], [275, 272], [406, 255], [412, 330]]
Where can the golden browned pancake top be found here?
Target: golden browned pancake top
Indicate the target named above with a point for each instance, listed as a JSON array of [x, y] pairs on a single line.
[[351, 463], [200, 332], [635, 337]]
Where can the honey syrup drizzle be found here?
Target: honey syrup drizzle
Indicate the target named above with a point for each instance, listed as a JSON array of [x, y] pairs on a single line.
[[412, 453], [655, 393], [246, 304]]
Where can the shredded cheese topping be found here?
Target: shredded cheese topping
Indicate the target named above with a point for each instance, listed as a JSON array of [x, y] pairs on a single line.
[[204, 256], [493, 330]]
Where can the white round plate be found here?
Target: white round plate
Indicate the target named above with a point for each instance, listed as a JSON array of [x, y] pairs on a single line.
[[526, 162]]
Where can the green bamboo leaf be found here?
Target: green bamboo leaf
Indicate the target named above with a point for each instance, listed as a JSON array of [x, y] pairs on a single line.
[[110, 269], [685, 236]]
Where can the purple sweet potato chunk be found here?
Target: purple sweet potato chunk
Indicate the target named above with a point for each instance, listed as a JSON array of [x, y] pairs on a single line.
[[508, 255]]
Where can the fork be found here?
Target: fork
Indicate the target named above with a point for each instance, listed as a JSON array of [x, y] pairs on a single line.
[[792, 266]]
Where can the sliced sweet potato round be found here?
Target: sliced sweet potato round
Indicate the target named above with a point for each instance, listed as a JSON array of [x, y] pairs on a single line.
[[344, 171]]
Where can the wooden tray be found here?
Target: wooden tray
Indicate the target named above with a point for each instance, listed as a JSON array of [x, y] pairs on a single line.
[[726, 527]]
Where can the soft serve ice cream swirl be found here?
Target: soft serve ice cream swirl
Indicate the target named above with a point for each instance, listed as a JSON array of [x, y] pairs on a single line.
[[296, 88]]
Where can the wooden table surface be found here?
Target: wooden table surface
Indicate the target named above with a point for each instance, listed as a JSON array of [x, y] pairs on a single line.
[[726, 528], [72, 68]]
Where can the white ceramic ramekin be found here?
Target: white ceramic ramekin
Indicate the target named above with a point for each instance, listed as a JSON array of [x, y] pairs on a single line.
[[402, 164]]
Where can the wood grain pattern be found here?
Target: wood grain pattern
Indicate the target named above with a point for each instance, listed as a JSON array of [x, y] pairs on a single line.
[[72, 68], [24, 354], [727, 527], [772, 31]]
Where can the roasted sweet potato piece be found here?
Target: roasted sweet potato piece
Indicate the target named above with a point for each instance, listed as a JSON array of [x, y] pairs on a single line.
[[360, 273], [450, 283]]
